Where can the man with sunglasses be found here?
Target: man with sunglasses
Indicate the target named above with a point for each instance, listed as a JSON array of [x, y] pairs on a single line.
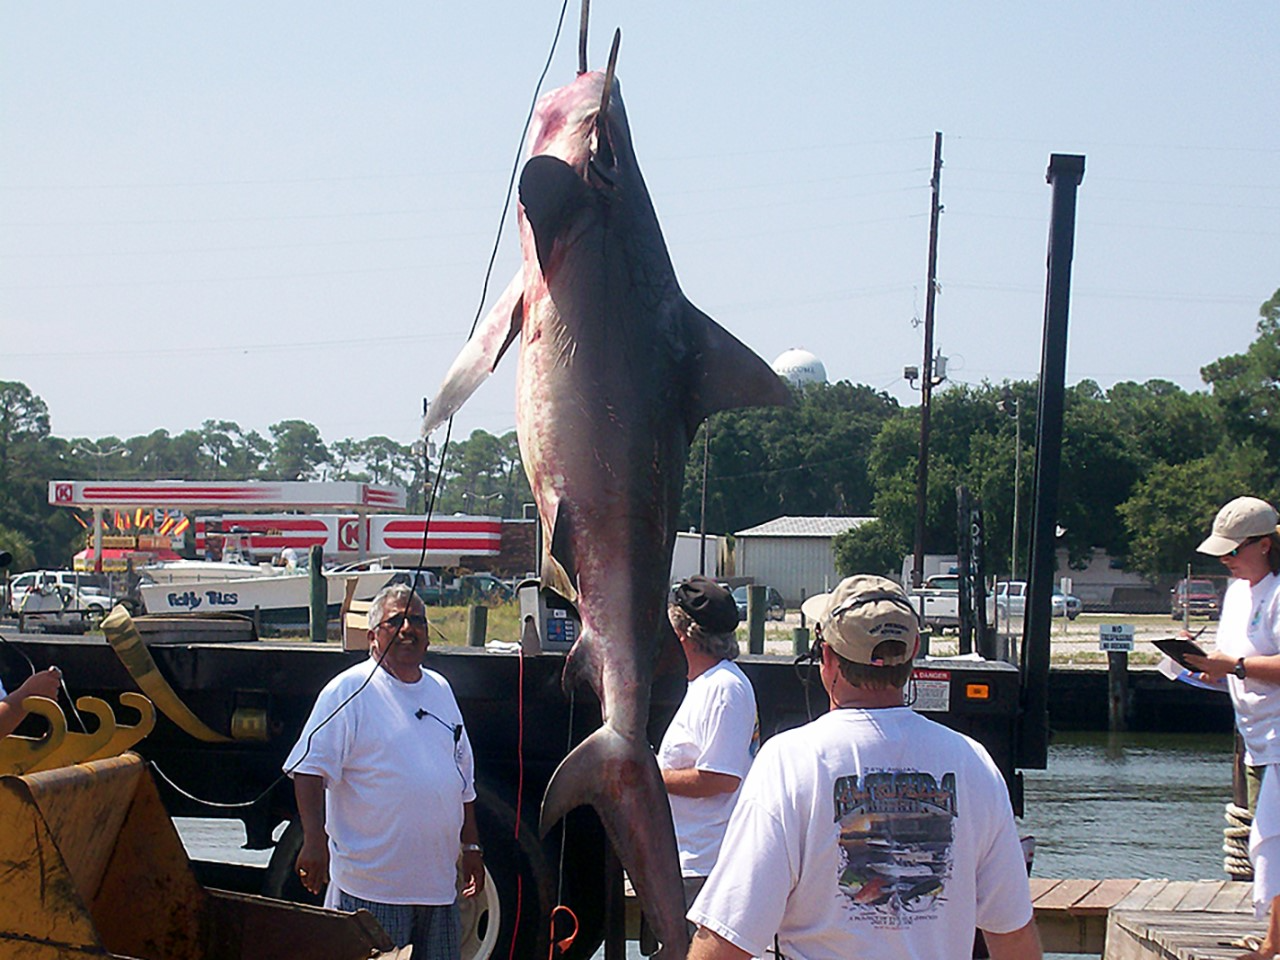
[[384, 780], [871, 832]]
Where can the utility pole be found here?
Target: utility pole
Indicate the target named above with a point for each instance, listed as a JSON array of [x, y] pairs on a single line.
[[926, 379]]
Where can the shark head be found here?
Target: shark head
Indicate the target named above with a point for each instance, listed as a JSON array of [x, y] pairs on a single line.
[[567, 125]]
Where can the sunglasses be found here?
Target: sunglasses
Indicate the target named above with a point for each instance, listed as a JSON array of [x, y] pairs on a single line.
[[1245, 543], [417, 622]]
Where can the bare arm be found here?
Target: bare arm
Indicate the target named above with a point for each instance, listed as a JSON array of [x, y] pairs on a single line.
[[1020, 944], [708, 945], [313, 858], [42, 684], [1217, 664], [472, 860], [692, 782]]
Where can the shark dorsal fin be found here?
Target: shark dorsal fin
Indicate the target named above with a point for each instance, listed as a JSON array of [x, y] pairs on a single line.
[[723, 373]]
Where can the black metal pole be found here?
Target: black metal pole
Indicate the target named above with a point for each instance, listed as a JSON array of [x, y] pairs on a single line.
[[926, 371], [1066, 171]]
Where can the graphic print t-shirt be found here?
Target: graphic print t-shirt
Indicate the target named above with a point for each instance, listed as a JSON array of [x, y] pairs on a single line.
[[868, 833]]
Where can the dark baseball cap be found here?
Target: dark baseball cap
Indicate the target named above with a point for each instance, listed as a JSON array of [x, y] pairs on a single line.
[[711, 605]]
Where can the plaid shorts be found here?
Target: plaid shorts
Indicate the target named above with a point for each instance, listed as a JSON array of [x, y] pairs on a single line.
[[434, 931]]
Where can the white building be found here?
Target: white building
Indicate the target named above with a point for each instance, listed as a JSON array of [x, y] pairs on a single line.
[[793, 554]]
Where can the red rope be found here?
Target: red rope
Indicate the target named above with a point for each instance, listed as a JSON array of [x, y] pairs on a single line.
[[515, 927], [561, 947]]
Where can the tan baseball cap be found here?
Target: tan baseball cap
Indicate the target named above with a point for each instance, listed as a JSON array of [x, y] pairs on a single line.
[[862, 612], [1242, 518]]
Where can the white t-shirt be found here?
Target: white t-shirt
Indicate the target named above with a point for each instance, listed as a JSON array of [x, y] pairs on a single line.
[[395, 783], [714, 729], [1250, 627], [874, 834]]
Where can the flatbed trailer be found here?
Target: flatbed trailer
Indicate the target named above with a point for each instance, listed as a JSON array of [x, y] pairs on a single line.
[[521, 725]]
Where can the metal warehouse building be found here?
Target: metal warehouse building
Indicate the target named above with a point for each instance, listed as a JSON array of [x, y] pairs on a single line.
[[792, 554]]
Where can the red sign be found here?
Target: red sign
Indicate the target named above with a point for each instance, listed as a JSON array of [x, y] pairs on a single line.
[[62, 493], [349, 533]]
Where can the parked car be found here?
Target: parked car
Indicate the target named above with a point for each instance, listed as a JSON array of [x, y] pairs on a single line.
[[64, 590], [484, 588], [775, 609], [1011, 601], [1199, 598]]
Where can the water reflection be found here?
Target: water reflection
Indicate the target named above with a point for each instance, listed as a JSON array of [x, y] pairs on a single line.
[[1130, 805]]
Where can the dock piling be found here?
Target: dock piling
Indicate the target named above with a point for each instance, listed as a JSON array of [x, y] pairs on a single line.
[[1117, 691], [319, 597], [477, 625]]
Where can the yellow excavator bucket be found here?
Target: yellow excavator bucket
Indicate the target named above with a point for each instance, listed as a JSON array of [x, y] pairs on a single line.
[[91, 866]]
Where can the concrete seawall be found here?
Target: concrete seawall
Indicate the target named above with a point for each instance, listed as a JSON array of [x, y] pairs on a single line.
[[1078, 701]]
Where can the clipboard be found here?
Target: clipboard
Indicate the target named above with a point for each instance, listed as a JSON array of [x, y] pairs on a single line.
[[1176, 648]]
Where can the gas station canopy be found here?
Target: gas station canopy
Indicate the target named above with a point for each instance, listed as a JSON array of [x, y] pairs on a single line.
[[221, 495]]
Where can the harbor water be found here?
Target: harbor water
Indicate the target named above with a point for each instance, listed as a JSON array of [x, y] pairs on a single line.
[[1108, 805]]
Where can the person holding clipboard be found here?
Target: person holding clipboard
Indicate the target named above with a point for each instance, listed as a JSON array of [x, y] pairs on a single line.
[[1247, 655]]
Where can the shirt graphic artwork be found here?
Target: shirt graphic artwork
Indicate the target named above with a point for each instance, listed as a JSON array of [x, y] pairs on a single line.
[[896, 833]]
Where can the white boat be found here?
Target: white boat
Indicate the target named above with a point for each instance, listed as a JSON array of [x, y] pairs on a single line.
[[200, 571], [280, 598]]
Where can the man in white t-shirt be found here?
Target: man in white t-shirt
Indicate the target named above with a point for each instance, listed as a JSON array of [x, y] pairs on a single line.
[[708, 746], [871, 832], [384, 779]]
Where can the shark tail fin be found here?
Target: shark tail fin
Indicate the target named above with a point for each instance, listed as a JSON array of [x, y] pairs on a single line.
[[619, 777]]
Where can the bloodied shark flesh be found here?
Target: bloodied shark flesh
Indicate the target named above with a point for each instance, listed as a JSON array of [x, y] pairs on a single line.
[[616, 371]]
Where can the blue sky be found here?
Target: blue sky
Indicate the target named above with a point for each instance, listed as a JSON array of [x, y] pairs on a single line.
[[264, 211]]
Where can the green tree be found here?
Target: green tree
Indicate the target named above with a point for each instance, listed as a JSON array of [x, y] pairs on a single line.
[[1173, 506], [1247, 385], [807, 459], [20, 546], [871, 547], [297, 452]]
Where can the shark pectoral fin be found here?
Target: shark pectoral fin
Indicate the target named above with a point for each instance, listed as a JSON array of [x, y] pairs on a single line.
[[551, 194], [724, 373], [619, 777], [495, 333]]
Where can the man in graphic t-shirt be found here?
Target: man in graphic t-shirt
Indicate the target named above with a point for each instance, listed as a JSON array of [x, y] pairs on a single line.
[[383, 775], [871, 832], [708, 747]]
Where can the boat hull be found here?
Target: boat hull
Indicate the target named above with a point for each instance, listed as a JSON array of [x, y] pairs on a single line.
[[280, 599]]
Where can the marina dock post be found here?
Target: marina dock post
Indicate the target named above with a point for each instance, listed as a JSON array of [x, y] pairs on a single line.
[[319, 597]]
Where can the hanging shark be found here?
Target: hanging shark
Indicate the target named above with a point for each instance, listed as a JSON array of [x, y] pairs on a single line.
[[616, 371]]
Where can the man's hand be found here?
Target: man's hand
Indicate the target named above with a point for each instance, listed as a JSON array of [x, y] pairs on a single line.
[[313, 858], [313, 863], [472, 873], [42, 684]]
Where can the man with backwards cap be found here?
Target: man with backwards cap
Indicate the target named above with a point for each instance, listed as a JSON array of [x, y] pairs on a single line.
[[708, 747], [871, 832]]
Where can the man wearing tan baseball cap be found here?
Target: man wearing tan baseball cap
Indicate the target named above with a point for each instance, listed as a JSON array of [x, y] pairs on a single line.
[[871, 831]]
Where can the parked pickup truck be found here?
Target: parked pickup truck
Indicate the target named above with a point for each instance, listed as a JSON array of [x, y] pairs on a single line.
[[938, 602], [471, 588]]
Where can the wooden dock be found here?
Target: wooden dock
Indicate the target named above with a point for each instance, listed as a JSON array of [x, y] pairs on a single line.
[[1144, 919]]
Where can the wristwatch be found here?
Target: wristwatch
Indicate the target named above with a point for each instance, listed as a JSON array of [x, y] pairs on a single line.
[[1238, 669]]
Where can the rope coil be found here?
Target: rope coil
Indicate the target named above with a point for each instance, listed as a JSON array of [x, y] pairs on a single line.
[[1235, 843]]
